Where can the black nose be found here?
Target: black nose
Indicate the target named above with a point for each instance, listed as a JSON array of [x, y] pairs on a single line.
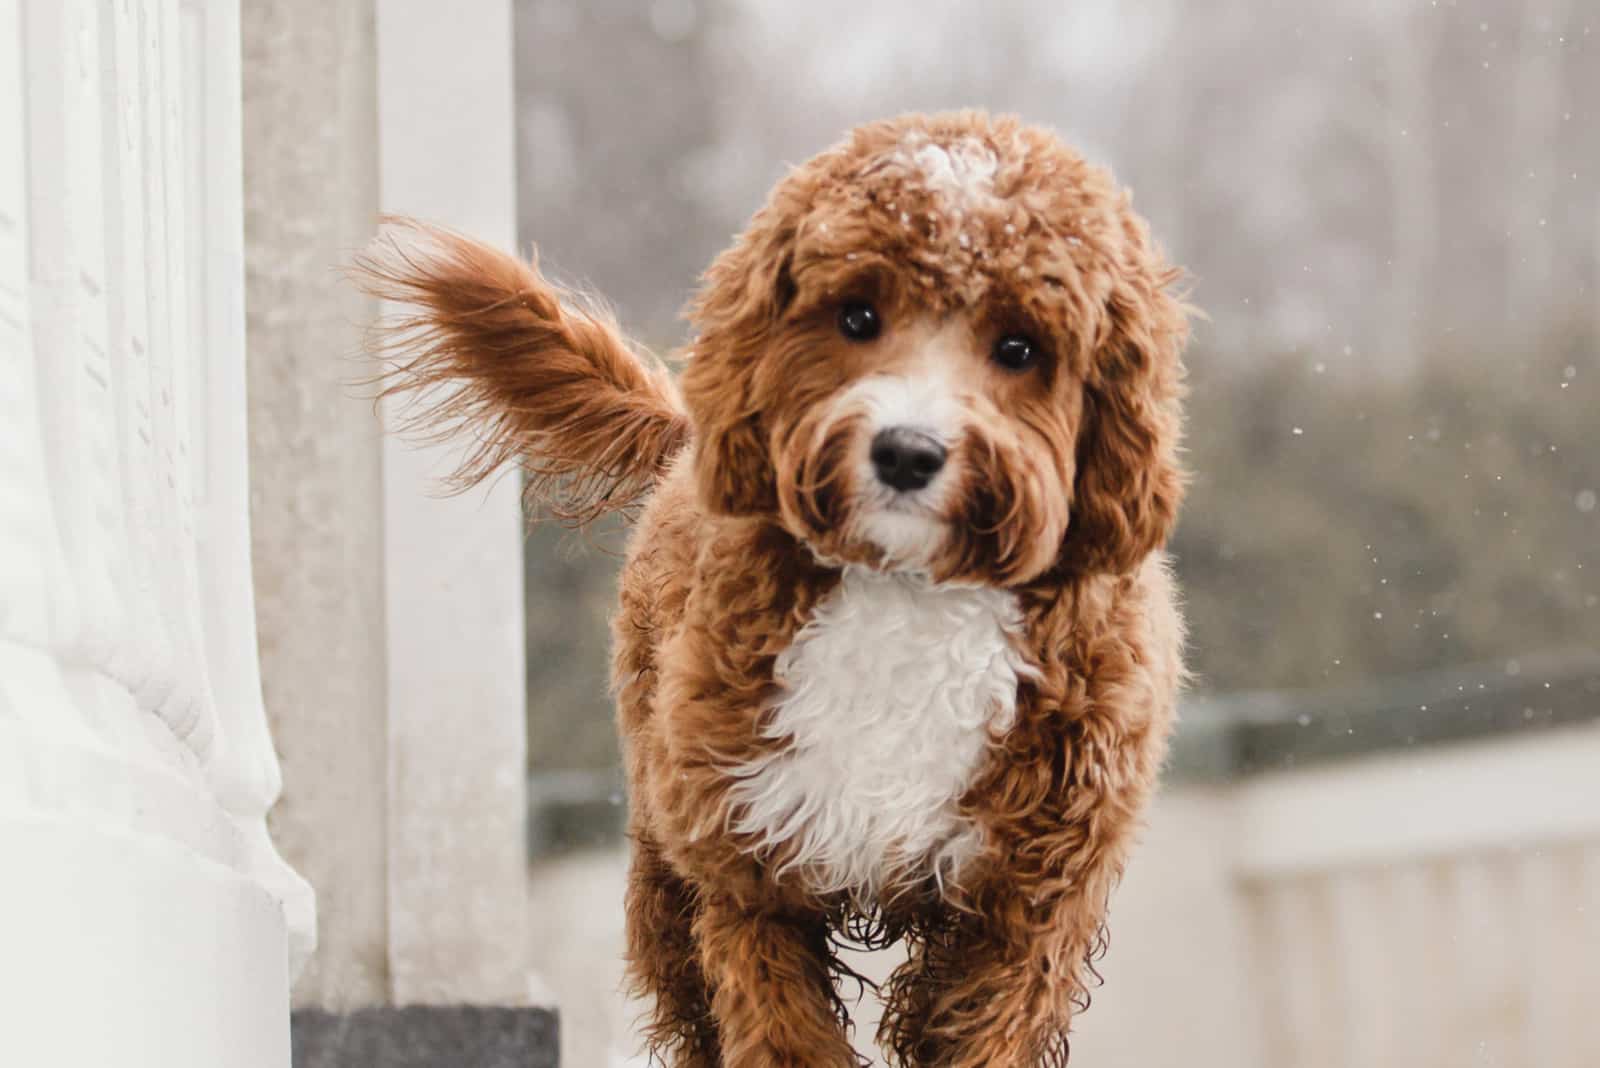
[[906, 459]]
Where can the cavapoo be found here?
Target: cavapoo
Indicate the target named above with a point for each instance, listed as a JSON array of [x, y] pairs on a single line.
[[897, 650]]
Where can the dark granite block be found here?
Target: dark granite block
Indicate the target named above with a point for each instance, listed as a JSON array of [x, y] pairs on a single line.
[[464, 1036]]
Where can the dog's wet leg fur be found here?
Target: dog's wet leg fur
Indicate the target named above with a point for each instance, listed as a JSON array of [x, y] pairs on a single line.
[[663, 965]]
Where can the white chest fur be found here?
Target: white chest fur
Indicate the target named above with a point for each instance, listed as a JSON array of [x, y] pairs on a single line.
[[890, 692]]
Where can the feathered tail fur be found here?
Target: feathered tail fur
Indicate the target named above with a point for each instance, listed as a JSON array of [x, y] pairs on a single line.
[[483, 342]]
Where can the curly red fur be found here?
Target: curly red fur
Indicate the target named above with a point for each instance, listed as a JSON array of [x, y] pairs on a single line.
[[540, 375], [1061, 485]]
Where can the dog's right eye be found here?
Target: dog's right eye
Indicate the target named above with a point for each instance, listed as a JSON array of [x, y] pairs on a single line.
[[859, 321]]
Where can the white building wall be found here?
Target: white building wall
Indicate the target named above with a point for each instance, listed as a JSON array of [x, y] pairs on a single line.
[[146, 918]]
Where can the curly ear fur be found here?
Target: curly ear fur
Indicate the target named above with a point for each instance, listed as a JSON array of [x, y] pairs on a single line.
[[1129, 480], [742, 298]]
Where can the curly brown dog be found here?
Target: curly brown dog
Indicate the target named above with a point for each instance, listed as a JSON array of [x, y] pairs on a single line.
[[897, 651]]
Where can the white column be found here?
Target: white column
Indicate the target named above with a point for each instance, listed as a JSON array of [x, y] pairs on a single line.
[[144, 915], [453, 566]]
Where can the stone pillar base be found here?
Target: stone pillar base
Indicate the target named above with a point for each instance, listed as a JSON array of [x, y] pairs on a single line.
[[426, 1036]]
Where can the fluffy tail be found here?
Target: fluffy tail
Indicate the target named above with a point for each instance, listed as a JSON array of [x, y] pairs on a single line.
[[485, 343]]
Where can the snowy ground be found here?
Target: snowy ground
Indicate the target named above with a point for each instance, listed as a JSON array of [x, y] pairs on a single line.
[[575, 906]]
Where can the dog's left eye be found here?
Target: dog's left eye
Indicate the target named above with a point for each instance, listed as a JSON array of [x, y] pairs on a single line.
[[1015, 352], [859, 321]]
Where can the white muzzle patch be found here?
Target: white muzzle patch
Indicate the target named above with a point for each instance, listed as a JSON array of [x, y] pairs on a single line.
[[907, 525]]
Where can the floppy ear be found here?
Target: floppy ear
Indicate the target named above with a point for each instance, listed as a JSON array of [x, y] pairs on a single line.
[[1129, 482], [742, 298]]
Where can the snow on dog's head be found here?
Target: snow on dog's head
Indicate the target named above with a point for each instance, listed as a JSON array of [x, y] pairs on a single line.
[[947, 346]]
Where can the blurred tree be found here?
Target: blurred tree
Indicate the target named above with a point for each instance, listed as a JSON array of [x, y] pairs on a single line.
[[614, 99], [1350, 529]]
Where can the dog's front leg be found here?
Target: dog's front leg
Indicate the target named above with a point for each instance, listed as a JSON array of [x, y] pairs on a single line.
[[998, 980], [1000, 988], [772, 995]]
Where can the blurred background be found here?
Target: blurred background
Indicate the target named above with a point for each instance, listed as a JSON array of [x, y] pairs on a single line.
[[1378, 843]]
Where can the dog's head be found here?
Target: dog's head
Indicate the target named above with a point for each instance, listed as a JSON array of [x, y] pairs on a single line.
[[946, 345]]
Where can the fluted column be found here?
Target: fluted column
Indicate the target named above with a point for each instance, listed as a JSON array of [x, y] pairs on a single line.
[[136, 768]]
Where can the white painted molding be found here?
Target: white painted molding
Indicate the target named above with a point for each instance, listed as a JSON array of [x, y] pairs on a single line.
[[135, 765], [1518, 792], [1430, 905]]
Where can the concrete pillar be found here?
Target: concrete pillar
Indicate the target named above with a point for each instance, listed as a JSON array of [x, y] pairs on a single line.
[[311, 188], [391, 617]]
